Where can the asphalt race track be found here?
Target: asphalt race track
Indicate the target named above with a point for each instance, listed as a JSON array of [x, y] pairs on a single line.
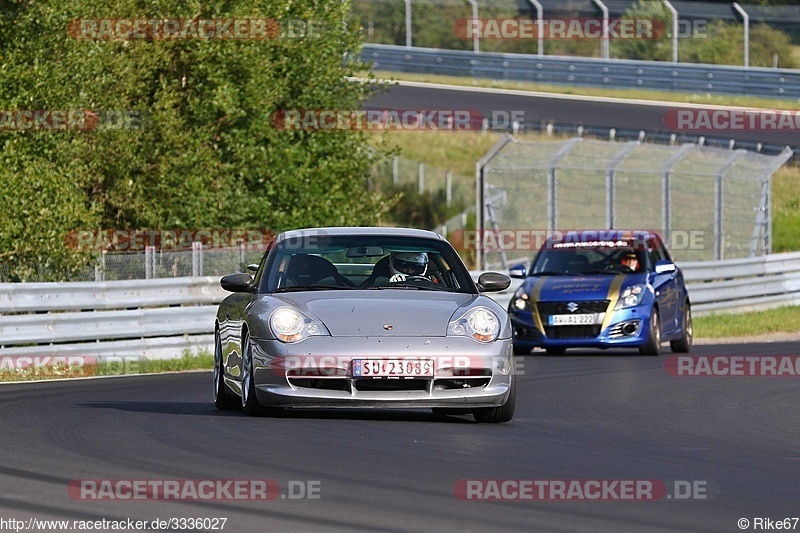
[[602, 416], [540, 109]]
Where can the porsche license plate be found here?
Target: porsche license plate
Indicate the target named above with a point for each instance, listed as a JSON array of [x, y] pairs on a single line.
[[392, 368], [583, 319]]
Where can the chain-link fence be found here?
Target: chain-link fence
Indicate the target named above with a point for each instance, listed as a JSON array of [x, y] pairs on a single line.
[[154, 263], [708, 203], [397, 172], [447, 24]]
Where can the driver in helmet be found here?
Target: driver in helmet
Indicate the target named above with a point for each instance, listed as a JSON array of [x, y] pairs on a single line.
[[630, 261], [405, 265]]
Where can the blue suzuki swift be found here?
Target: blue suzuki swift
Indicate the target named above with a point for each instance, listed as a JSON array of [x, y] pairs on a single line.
[[601, 289]]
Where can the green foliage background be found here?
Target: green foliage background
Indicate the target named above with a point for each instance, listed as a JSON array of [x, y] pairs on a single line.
[[207, 156], [719, 43], [433, 23]]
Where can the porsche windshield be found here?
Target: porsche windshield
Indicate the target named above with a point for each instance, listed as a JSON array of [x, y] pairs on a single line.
[[364, 262]]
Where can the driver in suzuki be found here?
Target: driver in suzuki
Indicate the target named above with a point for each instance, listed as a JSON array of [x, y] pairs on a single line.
[[630, 261]]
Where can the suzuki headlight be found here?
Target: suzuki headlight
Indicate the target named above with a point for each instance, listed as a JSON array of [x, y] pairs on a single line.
[[289, 325], [520, 301], [480, 323], [631, 296]]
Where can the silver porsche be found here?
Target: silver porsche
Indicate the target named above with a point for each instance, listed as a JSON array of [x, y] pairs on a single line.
[[363, 318]]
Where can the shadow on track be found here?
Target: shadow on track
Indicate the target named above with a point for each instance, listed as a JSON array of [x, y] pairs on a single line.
[[206, 409]]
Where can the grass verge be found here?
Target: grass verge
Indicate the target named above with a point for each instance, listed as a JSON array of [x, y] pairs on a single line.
[[44, 368], [637, 94], [779, 320], [786, 209]]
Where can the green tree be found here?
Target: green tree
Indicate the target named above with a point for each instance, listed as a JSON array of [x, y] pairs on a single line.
[[765, 41], [207, 154], [724, 45], [656, 49]]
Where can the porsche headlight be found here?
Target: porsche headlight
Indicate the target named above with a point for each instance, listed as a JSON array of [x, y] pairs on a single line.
[[289, 325], [631, 296], [520, 301], [479, 323]]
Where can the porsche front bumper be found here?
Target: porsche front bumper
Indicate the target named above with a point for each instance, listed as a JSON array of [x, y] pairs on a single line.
[[316, 373]]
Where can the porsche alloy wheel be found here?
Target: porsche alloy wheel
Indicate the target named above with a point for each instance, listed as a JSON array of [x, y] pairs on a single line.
[[223, 398], [250, 403]]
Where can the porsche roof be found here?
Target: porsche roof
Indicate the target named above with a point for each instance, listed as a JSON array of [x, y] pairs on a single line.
[[359, 230]]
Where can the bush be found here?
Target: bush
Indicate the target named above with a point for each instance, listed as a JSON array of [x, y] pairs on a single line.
[[207, 155], [659, 49]]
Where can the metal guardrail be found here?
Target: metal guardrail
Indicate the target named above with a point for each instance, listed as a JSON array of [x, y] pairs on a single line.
[[149, 347], [744, 284], [156, 318], [160, 318], [46, 297], [105, 325], [733, 285], [591, 72]]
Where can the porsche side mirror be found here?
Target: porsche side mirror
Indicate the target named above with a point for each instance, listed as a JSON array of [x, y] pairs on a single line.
[[493, 282], [239, 282]]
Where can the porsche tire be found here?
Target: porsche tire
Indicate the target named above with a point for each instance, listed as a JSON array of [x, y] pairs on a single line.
[[503, 413], [224, 399], [250, 404]]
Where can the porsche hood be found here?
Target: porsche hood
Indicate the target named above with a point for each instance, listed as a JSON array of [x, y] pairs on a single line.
[[380, 314]]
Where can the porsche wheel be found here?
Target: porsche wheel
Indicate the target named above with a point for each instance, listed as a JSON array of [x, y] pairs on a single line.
[[250, 403], [504, 413], [224, 399]]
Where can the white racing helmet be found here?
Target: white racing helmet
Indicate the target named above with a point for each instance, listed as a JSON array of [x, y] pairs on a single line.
[[408, 263]]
